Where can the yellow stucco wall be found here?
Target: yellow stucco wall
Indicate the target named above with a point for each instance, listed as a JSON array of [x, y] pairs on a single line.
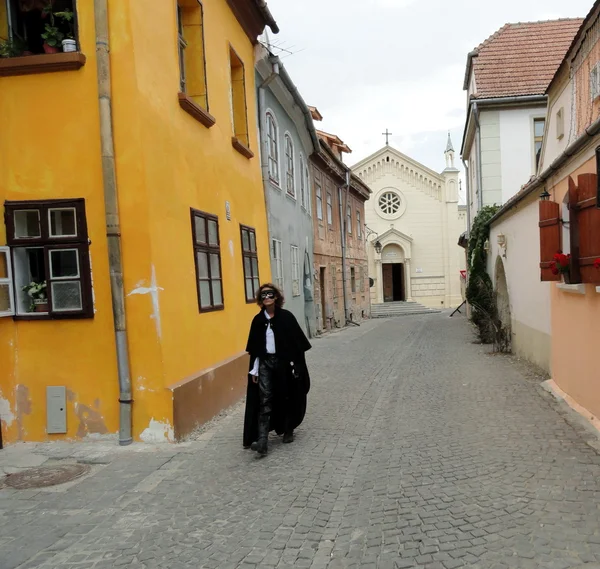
[[50, 148], [166, 163]]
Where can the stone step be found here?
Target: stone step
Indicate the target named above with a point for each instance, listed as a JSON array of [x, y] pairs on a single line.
[[395, 309]]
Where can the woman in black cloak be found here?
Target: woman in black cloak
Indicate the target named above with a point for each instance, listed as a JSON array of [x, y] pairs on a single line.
[[278, 380]]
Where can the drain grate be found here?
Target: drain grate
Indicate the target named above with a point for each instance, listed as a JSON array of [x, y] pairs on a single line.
[[45, 476]]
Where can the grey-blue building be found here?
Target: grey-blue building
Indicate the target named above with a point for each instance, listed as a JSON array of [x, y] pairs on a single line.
[[288, 138]]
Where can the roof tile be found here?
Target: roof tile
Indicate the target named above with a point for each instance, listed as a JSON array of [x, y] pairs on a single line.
[[522, 58]]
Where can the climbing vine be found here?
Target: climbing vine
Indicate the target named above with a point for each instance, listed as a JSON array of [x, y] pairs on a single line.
[[480, 290]]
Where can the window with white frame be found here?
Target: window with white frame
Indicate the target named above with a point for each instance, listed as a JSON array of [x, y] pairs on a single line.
[[295, 271], [307, 184], [273, 148], [278, 264], [290, 179], [47, 273], [358, 225]]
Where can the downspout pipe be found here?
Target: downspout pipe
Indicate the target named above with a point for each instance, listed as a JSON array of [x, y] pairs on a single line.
[[263, 153], [291, 87], [343, 243], [468, 184], [478, 155], [113, 224]]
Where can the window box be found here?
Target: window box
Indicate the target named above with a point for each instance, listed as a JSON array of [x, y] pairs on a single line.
[[49, 246], [36, 64], [572, 288]]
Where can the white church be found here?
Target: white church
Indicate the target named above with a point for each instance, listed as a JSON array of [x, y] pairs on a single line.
[[413, 224]]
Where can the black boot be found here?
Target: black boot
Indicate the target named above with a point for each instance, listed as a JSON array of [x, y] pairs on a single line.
[[288, 437]]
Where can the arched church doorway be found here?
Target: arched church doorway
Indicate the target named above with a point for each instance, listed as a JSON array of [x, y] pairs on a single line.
[[393, 273]]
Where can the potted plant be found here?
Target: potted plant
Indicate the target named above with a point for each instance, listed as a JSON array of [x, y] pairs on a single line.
[[69, 44], [561, 266], [37, 293], [52, 39], [11, 48]]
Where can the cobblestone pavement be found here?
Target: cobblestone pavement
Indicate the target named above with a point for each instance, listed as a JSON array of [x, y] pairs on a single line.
[[419, 450]]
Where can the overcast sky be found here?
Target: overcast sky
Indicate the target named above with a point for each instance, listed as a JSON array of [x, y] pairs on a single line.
[[369, 65]]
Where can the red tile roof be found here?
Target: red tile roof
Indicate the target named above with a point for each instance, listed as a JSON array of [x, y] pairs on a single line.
[[522, 58]]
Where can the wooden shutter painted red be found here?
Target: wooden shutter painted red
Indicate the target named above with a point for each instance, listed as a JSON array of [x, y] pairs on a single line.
[[550, 230], [583, 207]]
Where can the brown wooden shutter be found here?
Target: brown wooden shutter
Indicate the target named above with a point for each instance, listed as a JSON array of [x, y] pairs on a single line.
[[583, 207], [550, 231]]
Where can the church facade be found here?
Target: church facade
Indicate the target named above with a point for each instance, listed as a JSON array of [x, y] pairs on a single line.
[[413, 221]]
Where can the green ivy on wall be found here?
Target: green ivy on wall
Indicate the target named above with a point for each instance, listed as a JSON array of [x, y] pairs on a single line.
[[480, 290]]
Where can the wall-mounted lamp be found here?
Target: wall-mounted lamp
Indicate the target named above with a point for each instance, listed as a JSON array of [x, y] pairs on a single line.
[[545, 196], [486, 246], [378, 247], [501, 240]]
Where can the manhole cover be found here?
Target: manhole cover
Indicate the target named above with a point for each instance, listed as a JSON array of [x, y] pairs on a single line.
[[46, 476]]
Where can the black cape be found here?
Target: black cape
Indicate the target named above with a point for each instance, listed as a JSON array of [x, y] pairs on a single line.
[[291, 345]]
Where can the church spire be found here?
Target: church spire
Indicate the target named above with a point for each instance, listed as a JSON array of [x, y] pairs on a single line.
[[449, 154], [449, 147]]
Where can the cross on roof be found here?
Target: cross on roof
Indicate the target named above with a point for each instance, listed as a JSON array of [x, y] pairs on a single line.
[[387, 135]]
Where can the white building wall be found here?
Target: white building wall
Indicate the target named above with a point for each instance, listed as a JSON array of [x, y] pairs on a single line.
[[529, 297], [491, 157], [554, 145], [517, 148]]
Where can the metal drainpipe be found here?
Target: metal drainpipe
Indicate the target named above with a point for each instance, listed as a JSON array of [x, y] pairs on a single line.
[[478, 155], [113, 225], [467, 176], [262, 131], [343, 241]]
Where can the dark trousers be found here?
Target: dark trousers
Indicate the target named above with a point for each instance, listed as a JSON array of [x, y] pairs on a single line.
[[271, 380]]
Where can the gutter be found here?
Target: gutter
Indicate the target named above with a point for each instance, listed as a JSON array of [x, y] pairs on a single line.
[[478, 155], [113, 224], [291, 87], [267, 16], [569, 152]]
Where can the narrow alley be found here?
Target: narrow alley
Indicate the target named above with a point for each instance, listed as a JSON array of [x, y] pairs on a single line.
[[419, 450]]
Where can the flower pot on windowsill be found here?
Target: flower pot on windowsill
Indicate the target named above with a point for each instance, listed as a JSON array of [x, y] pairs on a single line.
[[566, 278], [40, 305], [50, 49], [69, 46]]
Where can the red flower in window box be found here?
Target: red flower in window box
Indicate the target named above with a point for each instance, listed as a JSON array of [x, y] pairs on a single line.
[[597, 264], [561, 265]]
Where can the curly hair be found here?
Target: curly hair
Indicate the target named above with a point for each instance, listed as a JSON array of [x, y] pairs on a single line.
[[279, 298]]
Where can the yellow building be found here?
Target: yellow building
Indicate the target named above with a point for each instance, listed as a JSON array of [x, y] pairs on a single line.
[[131, 186]]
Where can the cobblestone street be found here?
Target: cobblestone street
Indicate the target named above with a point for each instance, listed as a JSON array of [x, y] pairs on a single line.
[[418, 450]]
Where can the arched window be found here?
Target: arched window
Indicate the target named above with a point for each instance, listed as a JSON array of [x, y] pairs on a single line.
[[272, 148], [290, 181]]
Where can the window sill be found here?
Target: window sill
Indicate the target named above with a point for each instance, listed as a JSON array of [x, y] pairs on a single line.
[[291, 197], [212, 309], [572, 288], [241, 148], [195, 110], [38, 64]]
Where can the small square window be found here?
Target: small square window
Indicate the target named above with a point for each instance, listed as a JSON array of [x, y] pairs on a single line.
[[63, 222]]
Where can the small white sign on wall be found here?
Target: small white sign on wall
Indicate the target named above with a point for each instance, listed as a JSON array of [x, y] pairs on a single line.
[[228, 211], [419, 270]]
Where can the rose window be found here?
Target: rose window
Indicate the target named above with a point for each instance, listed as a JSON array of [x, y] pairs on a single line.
[[389, 203]]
